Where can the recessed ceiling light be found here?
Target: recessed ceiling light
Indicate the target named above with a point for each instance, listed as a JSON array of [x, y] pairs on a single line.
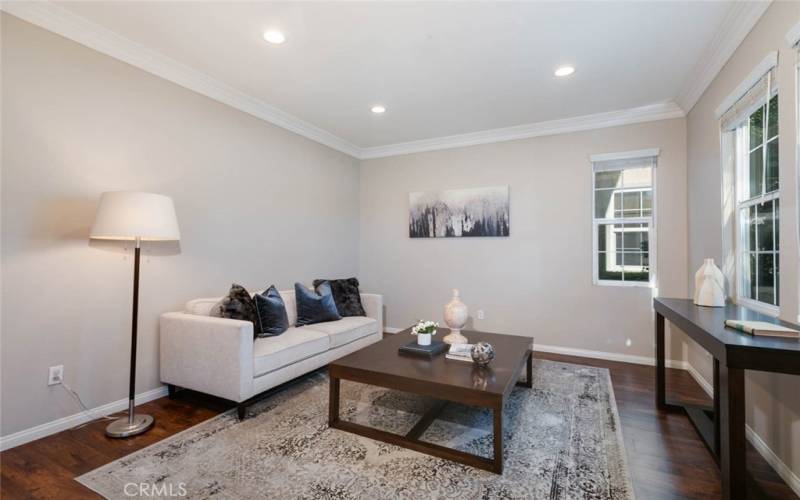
[[275, 37], [564, 70], [378, 109]]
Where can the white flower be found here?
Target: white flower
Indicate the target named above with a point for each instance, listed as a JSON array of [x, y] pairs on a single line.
[[423, 326]]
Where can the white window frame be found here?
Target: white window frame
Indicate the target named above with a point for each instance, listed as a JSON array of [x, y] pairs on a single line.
[[650, 221], [742, 202]]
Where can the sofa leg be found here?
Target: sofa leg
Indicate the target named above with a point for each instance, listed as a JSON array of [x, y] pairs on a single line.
[[171, 390], [241, 409]]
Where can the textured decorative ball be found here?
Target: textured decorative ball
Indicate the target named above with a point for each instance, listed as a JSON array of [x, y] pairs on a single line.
[[482, 353]]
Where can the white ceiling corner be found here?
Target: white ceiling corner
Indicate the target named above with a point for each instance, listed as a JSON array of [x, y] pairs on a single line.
[[130, 41], [740, 19], [63, 22]]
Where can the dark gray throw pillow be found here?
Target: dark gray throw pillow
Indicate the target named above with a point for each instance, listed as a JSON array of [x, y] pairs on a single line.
[[271, 312], [346, 295], [238, 304], [315, 307]]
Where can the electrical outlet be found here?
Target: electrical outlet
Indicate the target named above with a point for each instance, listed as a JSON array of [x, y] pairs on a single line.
[[481, 314], [56, 375]]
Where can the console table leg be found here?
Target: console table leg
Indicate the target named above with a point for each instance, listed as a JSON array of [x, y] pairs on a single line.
[[732, 434], [333, 403], [661, 371], [498, 439], [716, 409]]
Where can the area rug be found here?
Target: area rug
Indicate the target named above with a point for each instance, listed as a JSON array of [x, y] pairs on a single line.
[[562, 441]]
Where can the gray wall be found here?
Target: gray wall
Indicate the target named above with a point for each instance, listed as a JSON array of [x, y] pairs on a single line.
[[773, 408], [256, 204], [538, 281]]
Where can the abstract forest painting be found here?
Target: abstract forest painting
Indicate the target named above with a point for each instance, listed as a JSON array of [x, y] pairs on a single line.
[[457, 213]]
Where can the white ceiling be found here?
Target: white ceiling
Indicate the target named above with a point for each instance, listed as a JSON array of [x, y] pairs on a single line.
[[441, 69]]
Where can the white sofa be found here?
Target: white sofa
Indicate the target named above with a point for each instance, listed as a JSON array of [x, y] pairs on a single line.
[[219, 356]]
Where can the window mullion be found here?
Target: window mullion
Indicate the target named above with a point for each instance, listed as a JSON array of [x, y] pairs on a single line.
[[764, 134]]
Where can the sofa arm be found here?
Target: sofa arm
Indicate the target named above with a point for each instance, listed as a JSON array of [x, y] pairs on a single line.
[[207, 354], [373, 306]]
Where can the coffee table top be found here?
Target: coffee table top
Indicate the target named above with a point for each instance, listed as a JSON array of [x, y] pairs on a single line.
[[381, 361]]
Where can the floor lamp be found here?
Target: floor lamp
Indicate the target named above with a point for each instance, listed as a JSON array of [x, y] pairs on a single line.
[[138, 217]]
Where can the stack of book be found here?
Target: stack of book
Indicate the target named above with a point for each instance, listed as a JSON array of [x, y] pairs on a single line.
[[762, 329], [428, 351], [460, 352]]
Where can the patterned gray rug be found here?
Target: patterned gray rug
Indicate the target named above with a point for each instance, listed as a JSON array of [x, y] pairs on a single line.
[[562, 438]]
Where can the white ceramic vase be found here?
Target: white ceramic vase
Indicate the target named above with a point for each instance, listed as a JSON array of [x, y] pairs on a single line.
[[709, 285], [424, 338], [455, 315]]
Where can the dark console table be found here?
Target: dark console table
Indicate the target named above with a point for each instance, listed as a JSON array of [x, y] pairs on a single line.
[[723, 426]]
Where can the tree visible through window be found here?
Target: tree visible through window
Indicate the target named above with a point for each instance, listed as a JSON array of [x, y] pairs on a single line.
[[758, 205], [623, 218]]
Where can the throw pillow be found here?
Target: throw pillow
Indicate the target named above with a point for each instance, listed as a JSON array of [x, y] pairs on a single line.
[[315, 307], [238, 304], [346, 295], [271, 312]]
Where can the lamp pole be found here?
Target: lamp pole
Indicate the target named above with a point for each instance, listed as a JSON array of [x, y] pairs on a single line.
[[133, 424]]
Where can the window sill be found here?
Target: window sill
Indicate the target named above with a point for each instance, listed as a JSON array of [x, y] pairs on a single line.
[[760, 307], [633, 284]]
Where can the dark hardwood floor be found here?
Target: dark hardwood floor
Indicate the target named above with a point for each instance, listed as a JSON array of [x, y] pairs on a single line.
[[667, 459]]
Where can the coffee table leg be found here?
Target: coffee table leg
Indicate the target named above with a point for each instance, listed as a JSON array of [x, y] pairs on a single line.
[[529, 372], [333, 404], [498, 439]]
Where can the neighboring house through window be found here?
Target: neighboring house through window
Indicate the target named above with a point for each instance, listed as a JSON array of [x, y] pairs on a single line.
[[623, 214]]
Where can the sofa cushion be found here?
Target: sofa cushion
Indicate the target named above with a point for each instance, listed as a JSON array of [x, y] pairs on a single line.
[[291, 305], [346, 330], [293, 345], [204, 307]]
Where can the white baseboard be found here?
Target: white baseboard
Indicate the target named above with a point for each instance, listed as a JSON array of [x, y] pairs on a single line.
[[608, 356], [785, 472], [583, 353], [772, 459], [701, 381], [68, 422]]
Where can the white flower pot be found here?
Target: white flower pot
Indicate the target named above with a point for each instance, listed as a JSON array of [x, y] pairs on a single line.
[[424, 338]]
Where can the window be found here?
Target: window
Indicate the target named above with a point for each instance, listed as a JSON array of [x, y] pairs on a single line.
[[758, 206], [623, 211]]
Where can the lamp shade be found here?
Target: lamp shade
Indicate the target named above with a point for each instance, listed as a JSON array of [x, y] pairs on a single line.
[[127, 215]]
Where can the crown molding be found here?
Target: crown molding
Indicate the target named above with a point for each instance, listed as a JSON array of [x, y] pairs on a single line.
[[53, 18], [793, 36], [649, 113], [740, 19]]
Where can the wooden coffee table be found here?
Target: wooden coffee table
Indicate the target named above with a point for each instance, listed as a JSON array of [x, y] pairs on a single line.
[[443, 379]]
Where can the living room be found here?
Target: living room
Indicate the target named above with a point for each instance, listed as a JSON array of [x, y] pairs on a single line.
[[226, 225]]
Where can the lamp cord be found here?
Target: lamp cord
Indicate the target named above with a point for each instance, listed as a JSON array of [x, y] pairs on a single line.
[[86, 409]]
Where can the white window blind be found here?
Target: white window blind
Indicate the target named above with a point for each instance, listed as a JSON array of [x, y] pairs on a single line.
[[752, 93]]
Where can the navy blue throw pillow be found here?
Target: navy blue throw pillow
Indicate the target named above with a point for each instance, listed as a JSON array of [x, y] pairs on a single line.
[[271, 312], [315, 307]]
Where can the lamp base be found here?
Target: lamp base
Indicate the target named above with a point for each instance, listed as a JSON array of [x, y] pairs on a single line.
[[121, 428]]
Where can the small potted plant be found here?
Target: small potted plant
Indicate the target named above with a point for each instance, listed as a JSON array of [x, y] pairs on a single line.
[[423, 330]]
